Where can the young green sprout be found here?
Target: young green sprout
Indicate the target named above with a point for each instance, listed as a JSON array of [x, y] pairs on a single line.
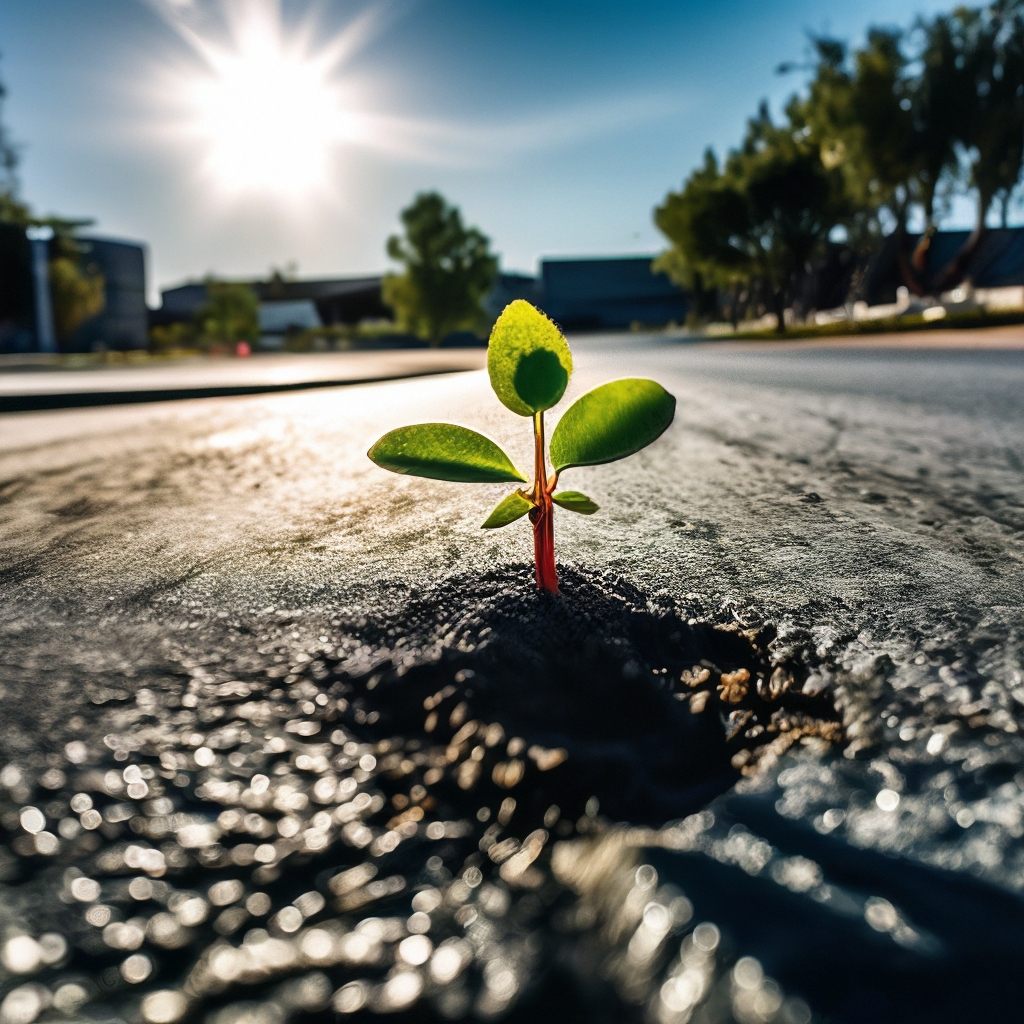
[[529, 364]]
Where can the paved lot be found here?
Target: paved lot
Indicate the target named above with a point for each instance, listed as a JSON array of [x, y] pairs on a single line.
[[868, 501]]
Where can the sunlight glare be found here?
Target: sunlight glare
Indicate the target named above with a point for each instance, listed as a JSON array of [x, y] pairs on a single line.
[[267, 110]]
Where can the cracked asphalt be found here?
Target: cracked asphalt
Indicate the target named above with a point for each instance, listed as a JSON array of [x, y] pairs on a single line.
[[865, 503]]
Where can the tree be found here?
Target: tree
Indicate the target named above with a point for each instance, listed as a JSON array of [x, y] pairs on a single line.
[[862, 115], [230, 313], [939, 106], [759, 220], [703, 223], [77, 291], [914, 115], [448, 271], [989, 62], [858, 115], [997, 133]]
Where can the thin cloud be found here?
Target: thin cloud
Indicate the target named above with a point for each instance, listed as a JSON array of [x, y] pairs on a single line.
[[450, 144]]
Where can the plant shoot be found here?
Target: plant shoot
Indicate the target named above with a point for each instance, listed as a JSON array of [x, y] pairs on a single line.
[[529, 364]]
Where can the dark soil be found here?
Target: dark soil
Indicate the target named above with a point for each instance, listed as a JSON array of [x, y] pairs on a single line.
[[600, 674]]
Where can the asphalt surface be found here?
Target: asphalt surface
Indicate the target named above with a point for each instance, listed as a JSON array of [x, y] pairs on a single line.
[[866, 505]]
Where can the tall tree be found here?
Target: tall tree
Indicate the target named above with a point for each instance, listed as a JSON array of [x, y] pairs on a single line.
[[77, 289], [762, 218], [858, 114], [449, 269], [911, 115], [939, 105], [989, 46], [704, 223]]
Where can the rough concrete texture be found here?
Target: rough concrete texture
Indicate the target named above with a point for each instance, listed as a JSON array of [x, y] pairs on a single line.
[[857, 515]]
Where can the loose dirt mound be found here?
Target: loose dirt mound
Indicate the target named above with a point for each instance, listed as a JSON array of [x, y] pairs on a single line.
[[598, 693]]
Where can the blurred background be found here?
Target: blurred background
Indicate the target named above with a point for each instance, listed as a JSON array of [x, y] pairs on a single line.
[[209, 175]]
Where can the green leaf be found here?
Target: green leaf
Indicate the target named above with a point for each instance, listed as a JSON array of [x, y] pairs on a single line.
[[444, 451], [528, 360], [575, 502], [611, 422], [508, 510]]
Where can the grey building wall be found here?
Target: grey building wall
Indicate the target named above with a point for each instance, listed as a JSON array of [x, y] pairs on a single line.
[[607, 294], [179, 304], [124, 322], [342, 300], [510, 287]]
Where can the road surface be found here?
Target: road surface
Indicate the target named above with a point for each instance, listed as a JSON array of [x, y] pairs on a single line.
[[867, 502]]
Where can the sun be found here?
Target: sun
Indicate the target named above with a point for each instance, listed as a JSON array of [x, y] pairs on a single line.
[[266, 108]]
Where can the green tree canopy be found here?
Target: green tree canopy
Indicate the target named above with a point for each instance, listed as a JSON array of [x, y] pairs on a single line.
[[77, 288], [857, 114], [9, 156], [763, 216], [230, 313], [449, 269], [913, 115], [882, 133]]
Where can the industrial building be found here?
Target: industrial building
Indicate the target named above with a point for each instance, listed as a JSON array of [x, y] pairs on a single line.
[[598, 294], [25, 311], [124, 322]]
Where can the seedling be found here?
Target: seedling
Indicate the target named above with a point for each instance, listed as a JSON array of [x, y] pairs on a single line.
[[529, 364]]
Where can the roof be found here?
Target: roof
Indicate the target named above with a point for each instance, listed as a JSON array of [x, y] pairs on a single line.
[[278, 289]]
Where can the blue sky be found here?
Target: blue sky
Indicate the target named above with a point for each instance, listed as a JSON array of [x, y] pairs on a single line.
[[556, 126]]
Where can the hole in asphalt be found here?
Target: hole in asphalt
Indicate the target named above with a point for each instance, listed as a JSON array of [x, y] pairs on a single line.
[[599, 693]]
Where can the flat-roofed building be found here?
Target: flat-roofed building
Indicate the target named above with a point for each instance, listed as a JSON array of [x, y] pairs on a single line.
[[121, 324], [615, 293], [342, 300]]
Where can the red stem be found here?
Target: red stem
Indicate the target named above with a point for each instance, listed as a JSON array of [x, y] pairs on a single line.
[[543, 514]]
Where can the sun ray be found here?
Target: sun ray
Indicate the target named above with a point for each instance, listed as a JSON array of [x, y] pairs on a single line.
[[266, 103]]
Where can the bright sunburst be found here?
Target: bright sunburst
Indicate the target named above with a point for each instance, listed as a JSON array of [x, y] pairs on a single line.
[[267, 106]]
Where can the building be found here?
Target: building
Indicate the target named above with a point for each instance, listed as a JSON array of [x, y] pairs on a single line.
[[343, 300], [579, 294], [123, 322], [312, 303], [510, 287], [278, 319], [609, 294]]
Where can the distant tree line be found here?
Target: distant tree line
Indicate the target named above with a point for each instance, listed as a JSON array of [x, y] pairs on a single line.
[[897, 126]]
